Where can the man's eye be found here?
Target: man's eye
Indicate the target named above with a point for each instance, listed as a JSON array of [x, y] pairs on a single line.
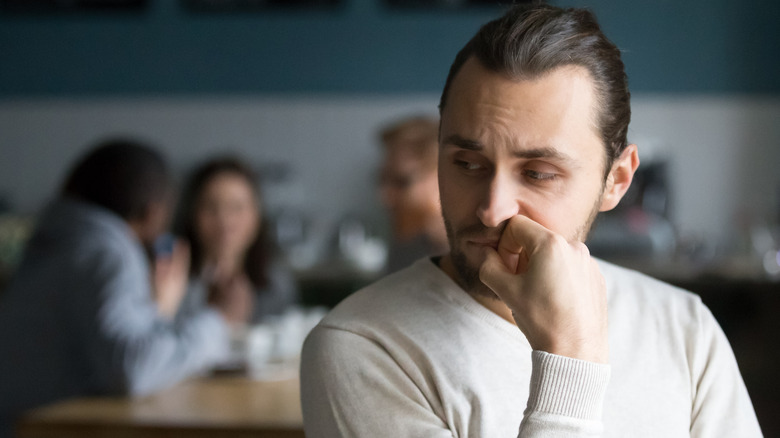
[[467, 165], [539, 176]]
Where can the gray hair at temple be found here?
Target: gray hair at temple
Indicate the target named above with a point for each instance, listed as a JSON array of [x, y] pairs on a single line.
[[533, 39]]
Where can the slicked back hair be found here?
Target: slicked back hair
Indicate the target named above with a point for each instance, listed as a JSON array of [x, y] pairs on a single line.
[[533, 39]]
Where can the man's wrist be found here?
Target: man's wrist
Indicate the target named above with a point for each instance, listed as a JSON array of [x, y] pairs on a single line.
[[565, 386]]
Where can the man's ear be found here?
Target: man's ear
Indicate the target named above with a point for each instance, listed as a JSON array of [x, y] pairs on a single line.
[[619, 178]]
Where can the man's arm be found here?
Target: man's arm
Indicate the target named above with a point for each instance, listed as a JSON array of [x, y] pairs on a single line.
[[566, 397], [721, 404], [352, 387], [558, 299], [130, 347]]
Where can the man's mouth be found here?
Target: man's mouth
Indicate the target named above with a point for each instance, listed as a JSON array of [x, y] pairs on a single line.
[[485, 242], [477, 235]]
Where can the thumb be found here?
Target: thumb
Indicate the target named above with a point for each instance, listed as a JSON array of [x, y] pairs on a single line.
[[496, 275]]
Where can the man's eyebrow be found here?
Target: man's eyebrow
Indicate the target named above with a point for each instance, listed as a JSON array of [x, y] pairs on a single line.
[[463, 143], [548, 152], [543, 152]]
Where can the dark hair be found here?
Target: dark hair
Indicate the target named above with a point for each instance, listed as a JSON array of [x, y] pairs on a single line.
[[256, 259], [533, 39], [121, 175]]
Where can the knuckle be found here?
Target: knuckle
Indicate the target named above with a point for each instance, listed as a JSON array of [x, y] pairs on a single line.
[[554, 242], [581, 248], [557, 240]]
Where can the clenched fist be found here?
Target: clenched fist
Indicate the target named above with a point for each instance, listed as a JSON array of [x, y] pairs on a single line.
[[554, 289]]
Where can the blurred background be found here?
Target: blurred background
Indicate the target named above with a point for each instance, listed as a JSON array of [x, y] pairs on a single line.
[[301, 87]]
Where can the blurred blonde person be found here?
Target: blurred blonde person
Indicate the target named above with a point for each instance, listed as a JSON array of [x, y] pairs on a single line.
[[223, 223], [409, 189]]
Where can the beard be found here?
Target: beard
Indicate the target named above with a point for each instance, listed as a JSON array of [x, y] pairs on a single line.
[[468, 272]]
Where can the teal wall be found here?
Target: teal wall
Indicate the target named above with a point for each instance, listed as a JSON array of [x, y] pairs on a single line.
[[685, 46]]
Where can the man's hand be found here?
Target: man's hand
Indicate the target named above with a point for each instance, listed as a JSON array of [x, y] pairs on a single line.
[[554, 289], [233, 297], [170, 279]]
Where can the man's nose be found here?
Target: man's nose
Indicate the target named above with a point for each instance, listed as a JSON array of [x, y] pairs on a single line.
[[500, 202]]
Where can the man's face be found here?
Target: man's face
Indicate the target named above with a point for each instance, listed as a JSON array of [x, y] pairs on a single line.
[[511, 147], [409, 189]]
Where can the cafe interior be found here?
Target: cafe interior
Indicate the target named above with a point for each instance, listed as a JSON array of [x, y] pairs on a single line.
[[300, 90]]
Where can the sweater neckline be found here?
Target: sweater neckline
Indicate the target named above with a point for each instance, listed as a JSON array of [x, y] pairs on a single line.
[[452, 292]]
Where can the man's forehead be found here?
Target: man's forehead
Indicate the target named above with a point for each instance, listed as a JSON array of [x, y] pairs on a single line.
[[474, 77], [548, 117]]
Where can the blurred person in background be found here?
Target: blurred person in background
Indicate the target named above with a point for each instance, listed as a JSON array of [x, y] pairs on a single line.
[[84, 312], [222, 218], [409, 189]]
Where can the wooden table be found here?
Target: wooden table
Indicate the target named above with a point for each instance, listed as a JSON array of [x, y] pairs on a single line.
[[207, 407]]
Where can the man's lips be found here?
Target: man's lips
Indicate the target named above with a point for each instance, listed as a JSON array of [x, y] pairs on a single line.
[[492, 243]]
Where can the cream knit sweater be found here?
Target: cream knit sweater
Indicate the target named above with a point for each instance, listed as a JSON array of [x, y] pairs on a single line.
[[415, 356]]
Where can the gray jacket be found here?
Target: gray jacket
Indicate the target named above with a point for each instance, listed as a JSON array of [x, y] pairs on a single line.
[[79, 318]]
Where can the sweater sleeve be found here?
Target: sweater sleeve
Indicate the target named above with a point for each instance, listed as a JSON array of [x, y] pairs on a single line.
[[721, 404], [351, 387], [566, 397]]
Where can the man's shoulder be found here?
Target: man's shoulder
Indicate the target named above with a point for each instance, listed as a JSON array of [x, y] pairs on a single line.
[[621, 278], [79, 226], [630, 288], [401, 298]]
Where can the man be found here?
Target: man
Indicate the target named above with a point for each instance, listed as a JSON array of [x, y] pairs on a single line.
[[80, 315], [409, 188], [518, 328]]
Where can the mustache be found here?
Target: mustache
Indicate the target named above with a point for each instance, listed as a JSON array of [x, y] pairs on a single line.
[[479, 230]]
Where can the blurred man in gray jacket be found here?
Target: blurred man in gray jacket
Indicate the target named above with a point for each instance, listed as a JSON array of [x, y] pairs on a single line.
[[84, 313]]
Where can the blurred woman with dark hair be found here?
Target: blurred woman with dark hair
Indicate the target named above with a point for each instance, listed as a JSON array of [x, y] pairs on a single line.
[[222, 219]]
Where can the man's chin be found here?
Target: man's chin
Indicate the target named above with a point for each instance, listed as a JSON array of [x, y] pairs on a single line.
[[468, 274]]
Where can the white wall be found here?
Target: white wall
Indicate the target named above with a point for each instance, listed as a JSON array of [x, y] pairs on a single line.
[[724, 151], [724, 154], [328, 143]]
